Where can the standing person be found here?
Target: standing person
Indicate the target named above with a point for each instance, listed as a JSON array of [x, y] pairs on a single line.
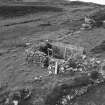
[[46, 62], [48, 46], [16, 98], [25, 94]]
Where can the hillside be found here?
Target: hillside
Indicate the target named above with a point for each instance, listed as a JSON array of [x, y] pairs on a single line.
[[32, 22]]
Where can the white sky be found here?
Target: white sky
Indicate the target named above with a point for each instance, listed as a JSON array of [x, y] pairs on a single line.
[[95, 1]]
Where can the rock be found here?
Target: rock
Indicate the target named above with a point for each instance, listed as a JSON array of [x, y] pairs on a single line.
[[86, 26], [38, 78]]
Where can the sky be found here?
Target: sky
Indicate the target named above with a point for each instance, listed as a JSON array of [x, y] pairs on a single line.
[[95, 1]]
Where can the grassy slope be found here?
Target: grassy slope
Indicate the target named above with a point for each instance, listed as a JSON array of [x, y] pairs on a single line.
[[15, 31]]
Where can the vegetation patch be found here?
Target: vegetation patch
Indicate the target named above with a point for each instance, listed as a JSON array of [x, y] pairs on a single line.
[[14, 11]]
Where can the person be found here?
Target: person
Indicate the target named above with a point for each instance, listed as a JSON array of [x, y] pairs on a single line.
[[29, 55], [46, 62], [25, 94], [6, 100], [72, 63], [16, 98], [89, 22], [45, 46]]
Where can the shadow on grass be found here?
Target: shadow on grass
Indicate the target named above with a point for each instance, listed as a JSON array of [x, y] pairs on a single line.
[[15, 11], [58, 92]]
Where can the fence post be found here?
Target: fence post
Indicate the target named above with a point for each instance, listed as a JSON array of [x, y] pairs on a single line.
[[56, 67]]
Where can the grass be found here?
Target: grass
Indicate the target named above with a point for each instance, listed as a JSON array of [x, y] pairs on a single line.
[[16, 11], [99, 49], [12, 65]]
